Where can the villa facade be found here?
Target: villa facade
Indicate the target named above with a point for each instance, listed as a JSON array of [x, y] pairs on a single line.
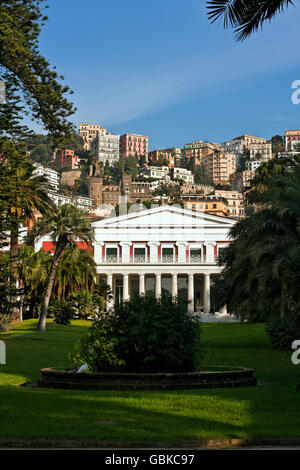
[[165, 248]]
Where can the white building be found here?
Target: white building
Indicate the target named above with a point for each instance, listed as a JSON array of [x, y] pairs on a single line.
[[51, 176], [165, 248], [81, 202], [237, 145], [252, 165], [156, 172], [183, 174], [261, 151], [106, 147]]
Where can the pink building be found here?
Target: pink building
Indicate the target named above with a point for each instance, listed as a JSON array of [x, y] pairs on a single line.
[[67, 159], [134, 145]]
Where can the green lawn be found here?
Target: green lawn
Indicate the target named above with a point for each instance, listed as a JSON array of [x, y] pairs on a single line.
[[269, 410]]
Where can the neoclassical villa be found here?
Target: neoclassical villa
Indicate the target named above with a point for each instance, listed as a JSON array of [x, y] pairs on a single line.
[[165, 248]]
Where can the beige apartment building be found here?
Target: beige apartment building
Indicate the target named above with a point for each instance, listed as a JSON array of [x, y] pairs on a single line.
[[238, 144], [88, 132], [174, 156], [198, 150], [261, 151], [220, 166], [247, 140], [235, 201], [214, 206]]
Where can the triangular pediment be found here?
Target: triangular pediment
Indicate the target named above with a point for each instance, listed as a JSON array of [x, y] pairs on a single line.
[[166, 216]]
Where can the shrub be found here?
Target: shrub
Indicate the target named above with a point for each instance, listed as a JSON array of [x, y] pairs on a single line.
[[143, 335], [283, 331], [88, 304], [98, 347], [5, 323], [63, 311]]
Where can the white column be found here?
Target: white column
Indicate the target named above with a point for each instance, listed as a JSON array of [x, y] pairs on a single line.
[[125, 287], [191, 292], [98, 252], [182, 251], [174, 285], [125, 251], [142, 289], [206, 293], [210, 255], [154, 251], [158, 286], [110, 303]]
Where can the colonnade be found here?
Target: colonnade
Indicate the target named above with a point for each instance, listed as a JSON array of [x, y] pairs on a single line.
[[158, 288]]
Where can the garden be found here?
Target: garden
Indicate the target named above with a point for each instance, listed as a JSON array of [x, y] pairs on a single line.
[[35, 416]]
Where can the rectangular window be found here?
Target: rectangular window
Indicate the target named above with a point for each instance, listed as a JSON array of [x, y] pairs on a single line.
[[111, 255], [195, 255], [167, 255], [139, 255]]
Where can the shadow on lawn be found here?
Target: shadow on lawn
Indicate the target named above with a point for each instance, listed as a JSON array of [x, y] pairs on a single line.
[[149, 417]]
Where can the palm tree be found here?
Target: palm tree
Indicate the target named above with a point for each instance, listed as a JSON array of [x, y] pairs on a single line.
[[23, 195], [76, 271], [245, 16], [33, 274], [66, 227], [261, 274]]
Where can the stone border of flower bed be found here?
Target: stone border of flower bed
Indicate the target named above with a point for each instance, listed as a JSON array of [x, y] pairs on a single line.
[[236, 377]]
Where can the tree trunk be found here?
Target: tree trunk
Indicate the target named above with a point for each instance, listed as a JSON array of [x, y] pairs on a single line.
[[22, 297], [14, 252], [56, 259]]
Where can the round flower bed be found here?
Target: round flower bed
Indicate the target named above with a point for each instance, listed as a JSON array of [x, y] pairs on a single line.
[[213, 377]]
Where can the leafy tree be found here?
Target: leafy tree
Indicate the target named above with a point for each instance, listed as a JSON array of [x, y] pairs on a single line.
[[201, 176], [264, 178], [131, 166], [245, 156], [245, 16], [41, 154], [64, 227], [142, 160], [32, 87], [277, 144]]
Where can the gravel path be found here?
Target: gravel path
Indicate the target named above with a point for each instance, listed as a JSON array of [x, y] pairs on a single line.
[[217, 317]]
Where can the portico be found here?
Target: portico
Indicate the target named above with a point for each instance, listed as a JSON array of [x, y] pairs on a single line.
[[126, 286], [164, 249]]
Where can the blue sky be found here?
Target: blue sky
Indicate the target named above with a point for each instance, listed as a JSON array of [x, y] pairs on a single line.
[[160, 68]]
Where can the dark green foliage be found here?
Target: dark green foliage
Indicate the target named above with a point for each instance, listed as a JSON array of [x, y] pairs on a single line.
[[201, 176], [62, 311], [245, 17], [99, 347], [88, 305], [32, 87], [5, 323], [143, 335], [261, 267], [284, 330]]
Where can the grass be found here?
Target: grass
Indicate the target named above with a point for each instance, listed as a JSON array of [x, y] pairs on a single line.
[[269, 410]]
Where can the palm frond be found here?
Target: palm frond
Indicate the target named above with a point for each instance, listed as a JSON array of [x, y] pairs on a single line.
[[245, 16]]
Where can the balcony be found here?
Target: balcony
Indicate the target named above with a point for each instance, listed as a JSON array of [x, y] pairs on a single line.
[[164, 260]]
